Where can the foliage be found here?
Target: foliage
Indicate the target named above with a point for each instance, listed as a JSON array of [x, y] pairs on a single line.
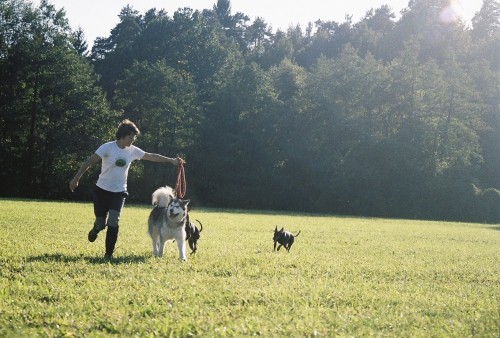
[[381, 117], [52, 110], [163, 100], [342, 277]]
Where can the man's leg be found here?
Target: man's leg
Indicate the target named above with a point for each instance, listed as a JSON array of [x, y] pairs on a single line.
[[113, 222], [112, 232], [101, 209]]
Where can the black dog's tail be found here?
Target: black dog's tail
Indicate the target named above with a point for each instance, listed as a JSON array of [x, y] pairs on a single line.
[[297, 233], [201, 225]]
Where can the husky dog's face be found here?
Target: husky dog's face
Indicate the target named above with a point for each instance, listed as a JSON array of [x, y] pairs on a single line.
[[177, 210]]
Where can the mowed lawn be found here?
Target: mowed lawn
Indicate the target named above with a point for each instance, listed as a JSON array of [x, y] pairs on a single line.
[[343, 276]]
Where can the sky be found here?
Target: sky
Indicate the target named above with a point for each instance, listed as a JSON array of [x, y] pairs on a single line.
[[98, 17]]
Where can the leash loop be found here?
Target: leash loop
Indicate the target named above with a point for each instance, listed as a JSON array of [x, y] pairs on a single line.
[[180, 186]]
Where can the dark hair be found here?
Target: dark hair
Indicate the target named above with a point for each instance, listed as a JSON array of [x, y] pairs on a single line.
[[125, 128]]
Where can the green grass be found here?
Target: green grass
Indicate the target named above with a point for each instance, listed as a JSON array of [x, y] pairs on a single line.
[[343, 277]]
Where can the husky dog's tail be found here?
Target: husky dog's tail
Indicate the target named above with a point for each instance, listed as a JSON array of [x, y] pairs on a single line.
[[297, 233], [162, 196]]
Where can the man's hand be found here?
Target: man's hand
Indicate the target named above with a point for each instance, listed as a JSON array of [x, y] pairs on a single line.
[[179, 161], [73, 184]]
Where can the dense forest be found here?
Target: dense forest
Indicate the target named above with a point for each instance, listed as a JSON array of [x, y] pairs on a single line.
[[391, 116]]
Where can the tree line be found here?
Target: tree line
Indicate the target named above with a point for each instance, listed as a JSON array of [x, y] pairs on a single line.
[[386, 117]]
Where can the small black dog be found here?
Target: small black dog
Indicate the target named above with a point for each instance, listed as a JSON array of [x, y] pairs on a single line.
[[284, 238], [193, 234]]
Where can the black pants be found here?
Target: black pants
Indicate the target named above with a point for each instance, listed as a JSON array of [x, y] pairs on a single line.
[[107, 209], [104, 201]]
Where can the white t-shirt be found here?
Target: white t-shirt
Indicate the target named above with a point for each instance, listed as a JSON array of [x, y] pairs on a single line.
[[115, 164]]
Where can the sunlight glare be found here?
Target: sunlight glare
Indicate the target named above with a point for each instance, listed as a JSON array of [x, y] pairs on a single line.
[[452, 12]]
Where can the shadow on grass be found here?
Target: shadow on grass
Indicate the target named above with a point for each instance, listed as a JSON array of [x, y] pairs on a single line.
[[62, 258], [128, 259], [491, 227]]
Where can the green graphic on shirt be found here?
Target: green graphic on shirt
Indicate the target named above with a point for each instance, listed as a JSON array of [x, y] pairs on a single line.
[[120, 162]]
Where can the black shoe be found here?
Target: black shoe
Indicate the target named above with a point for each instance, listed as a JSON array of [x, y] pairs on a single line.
[[92, 235], [108, 256]]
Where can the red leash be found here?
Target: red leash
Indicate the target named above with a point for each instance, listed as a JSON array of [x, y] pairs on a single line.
[[180, 186]]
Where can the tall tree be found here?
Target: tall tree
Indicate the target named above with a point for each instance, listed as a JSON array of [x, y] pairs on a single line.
[[257, 34], [239, 131], [347, 100], [234, 26], [372, 32], [79, 43], [50, 94], [433, 23], [162, 101], [113, 54], [483, 67], [486, 22]]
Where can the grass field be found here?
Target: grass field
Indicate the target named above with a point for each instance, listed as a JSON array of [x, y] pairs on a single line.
[[343, 277]]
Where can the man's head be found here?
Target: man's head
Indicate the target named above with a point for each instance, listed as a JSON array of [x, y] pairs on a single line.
[[127, 128]]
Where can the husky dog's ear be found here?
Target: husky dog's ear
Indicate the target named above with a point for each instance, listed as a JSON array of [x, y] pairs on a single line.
[[276, 229], [282, 229], [185, 202]]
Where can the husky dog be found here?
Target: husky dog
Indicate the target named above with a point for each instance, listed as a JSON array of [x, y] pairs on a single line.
[[193, 234], [284, 238], [167, 221]]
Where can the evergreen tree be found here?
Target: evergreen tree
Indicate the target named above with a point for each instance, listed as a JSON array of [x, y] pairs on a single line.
[[486, 22], [162, 101], [79, 43], [52, 109]]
